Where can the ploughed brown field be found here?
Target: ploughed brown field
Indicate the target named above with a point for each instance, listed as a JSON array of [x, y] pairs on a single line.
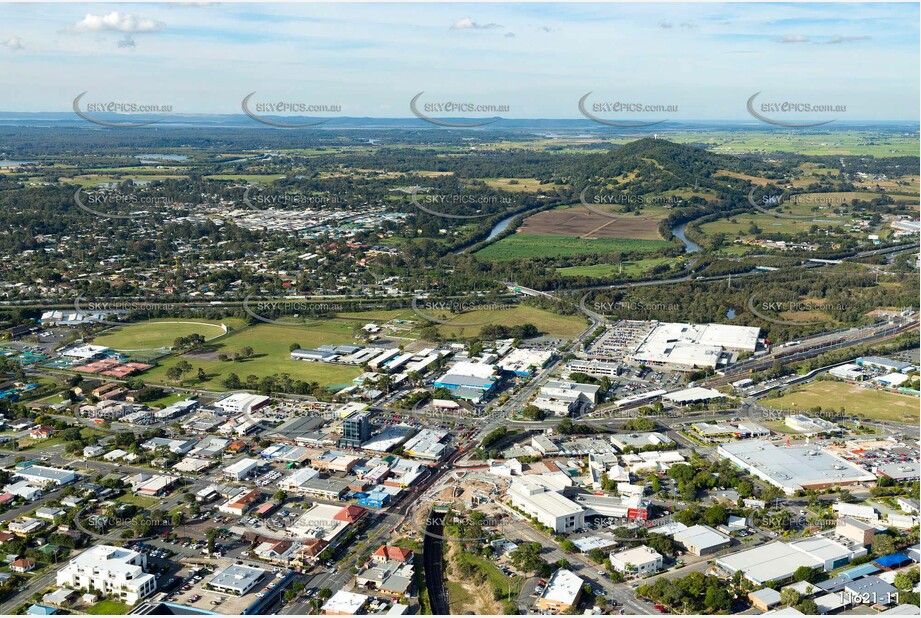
[[583, 223]]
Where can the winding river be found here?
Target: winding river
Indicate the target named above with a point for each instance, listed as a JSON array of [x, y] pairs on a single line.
[[689, 245], [499, 227]]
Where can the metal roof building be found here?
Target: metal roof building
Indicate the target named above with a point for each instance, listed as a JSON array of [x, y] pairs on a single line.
[[702, 540], [794, 468]]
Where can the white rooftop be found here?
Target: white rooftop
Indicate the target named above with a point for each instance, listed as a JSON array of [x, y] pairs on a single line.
[[563, 587], [793, 468], [695, 344], [476, 370], [772, 562], [345, 603], [690, 395], [638, 555]]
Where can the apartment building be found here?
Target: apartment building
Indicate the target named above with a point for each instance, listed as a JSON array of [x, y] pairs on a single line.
[[116, 572]]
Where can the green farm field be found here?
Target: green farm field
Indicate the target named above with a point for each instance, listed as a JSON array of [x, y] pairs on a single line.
[[537, 246]]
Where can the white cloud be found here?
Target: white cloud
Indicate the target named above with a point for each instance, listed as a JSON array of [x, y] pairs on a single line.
[[120, 22], [794, 38], [838, 39], [14, 44], [468, 24]]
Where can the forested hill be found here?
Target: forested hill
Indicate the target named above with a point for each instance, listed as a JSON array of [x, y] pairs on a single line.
[[656, 165]]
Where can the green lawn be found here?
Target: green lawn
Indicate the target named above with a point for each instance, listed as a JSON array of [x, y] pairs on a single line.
[[142, 501], [868, 402], [167, 400], [539, 246], [108, 608], [272, 356], [161, 333]]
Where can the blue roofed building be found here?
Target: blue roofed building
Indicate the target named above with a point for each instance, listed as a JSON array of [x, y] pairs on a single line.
[[375, 499], [892, 561], [860, 571]]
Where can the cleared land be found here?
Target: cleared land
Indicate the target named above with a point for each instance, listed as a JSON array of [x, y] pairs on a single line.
[[740, 226], [535, 246], [868, 402], [756, 180], [581, 222], [517, 185], [161, 333], [549, 324], [271, 355]]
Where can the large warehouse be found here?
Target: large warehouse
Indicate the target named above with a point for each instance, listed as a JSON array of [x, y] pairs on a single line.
[[778, 561], [689, 346], [794, 468], [469, 380]]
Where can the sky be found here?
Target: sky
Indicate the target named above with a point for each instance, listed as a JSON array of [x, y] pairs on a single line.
[[706, 60]]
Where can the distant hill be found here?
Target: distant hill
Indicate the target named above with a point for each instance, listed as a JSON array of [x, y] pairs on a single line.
[[649, 166]]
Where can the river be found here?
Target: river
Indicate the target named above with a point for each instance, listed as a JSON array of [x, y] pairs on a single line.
[[499, 227], [689, 245]]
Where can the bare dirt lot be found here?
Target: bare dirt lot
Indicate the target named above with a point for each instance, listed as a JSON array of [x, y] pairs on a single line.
[[581, 222]]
